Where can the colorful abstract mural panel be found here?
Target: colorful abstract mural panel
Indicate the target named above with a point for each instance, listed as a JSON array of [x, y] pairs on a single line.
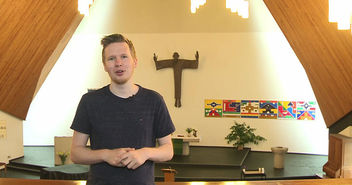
[[249, 108], [287, 110], [232, 108], [263, 109], [268, 109], [213, 108], [306, 110]]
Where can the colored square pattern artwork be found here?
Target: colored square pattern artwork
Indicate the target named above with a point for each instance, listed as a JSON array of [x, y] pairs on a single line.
[[232, 108], [306, 110], [249, 108], [213, 108], [287, 110], [268, 109], [263, 109]]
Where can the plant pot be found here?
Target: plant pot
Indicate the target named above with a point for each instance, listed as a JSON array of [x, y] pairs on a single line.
[[240, 147]]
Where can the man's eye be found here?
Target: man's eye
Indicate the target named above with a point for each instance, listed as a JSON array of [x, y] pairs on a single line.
[[111, 58], [124, 56]]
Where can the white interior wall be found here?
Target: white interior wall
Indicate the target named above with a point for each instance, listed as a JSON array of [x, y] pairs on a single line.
[[11, 146], [239, 59]]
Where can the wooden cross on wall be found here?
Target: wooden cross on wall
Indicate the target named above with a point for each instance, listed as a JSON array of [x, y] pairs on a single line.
[[177, 64]]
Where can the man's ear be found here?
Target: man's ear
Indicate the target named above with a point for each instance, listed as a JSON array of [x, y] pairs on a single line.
[[135, 62]]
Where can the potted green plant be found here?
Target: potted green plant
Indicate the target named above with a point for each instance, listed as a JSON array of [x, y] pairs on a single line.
[[63, 156], [189, 131], [241, 134]]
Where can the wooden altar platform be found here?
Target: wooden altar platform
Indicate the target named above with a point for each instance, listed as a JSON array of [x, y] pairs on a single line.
[[204, 164]]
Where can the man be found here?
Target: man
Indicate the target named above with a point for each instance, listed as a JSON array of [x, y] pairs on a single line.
[[123, 121]]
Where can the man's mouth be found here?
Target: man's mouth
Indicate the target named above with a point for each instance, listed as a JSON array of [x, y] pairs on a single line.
[[119, 72]]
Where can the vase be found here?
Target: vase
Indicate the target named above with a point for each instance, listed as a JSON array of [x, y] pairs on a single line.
[[63, 160], [240, 147]]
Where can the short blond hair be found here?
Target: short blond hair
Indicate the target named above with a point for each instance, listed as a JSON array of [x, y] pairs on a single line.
[[107, 40]]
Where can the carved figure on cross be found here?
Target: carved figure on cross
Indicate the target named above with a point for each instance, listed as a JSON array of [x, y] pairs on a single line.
[[178, 65]]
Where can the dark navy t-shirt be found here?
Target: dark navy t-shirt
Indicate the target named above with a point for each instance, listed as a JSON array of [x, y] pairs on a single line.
[[114, 122]]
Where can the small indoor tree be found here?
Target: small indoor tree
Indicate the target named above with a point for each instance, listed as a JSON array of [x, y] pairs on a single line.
[[189, 131], [241, 134]]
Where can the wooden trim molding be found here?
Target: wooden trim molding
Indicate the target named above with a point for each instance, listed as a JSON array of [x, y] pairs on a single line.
[[16, 181]]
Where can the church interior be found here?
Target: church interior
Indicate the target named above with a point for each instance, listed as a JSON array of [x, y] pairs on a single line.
[[281, 51]]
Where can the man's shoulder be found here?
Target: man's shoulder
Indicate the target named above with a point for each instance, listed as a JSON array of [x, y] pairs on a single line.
[[150, 93], [96, 93]]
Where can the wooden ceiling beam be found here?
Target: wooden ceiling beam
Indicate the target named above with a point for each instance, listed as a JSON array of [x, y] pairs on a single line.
[[324, 51], [30, 32]]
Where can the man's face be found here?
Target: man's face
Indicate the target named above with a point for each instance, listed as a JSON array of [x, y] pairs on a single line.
[[119, 63]]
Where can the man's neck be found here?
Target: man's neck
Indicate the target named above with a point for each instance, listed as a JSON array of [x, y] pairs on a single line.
[[124, 90]]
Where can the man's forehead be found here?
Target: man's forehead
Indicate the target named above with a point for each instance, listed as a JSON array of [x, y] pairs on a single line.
[[117, 47]]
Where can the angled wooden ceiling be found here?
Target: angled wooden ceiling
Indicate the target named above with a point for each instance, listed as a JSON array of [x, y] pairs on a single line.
[[30, 32], [324, 51]]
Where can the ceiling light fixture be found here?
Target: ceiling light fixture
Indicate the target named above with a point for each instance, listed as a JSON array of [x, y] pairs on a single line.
[[237, 6], [84, 5], [340, 11], [195, 4]]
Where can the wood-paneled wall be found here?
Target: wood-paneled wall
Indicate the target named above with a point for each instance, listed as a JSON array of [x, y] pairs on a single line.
[[30, 32], [324, 51]]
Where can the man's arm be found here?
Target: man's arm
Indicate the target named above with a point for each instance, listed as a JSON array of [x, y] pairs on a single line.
[[82, 155], [164, 152]]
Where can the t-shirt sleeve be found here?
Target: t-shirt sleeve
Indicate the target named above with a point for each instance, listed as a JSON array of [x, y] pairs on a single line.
[[81, 120], [164, 124]]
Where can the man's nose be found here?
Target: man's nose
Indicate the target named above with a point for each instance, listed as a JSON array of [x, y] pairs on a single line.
[[118, 62]]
